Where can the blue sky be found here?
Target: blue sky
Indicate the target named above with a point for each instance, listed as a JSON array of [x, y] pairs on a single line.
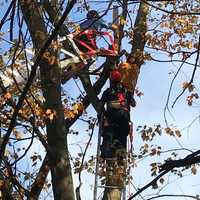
[[154, 81]]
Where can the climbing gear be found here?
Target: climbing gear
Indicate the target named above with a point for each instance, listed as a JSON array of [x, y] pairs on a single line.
[[71, 61], [121, 98], [113, 104], [87, 39], [85, 48], [117, 98]]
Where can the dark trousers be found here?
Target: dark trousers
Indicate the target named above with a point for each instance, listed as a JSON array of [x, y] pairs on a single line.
[[115, 134]]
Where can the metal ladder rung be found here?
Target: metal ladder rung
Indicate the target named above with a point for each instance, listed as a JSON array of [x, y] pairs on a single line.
[[97, 167], [112, 187]]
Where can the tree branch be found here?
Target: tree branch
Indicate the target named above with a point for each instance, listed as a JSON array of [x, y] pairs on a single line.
[[193, 74], [87, 85], [171, 12], [188, 160], [174, 195], [168, 166], [31, 77], [35, 190]]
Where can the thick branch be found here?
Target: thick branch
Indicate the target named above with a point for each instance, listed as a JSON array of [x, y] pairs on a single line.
[[138, 41], [87, 85], [121, 26], [168, 166], [139, 31], [187, 161], [40, 180], [97, 86]]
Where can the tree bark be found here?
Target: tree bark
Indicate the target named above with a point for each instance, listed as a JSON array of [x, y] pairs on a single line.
[[51, 87], [36, 189]]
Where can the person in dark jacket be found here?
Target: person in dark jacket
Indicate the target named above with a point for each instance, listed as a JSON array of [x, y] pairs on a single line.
[[116, 119], [93, 21], [89, 30]]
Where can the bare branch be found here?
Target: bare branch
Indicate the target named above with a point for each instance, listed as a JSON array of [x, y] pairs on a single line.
[[193, 74], [174, 195], [171, 12], [7, 13], [82, 162], [168, 166]]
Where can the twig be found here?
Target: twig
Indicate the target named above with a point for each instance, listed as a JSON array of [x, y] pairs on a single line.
[[81, 165], [7, 13], [193, 74], [171, 12], [12, 16], [169, 93], [174, 195], [149, 184]]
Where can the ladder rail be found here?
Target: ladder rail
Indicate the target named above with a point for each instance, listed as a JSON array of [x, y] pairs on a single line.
[[96, 186], [97, 159]]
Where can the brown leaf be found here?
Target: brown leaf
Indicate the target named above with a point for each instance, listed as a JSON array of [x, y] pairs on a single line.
[[178, 133], [7, 96], [34, 158], [194, 169], [162, 180]]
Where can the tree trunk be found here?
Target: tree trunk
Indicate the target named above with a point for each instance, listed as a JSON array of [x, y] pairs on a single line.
[[51, 87], [112, 194], [116, 175], [115, 182]]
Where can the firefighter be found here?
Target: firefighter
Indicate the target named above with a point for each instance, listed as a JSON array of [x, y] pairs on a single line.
[[116, 118]]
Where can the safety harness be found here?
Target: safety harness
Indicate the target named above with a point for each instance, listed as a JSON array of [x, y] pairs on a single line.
[[89, 42]]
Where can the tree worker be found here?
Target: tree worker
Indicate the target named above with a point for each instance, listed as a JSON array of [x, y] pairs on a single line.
[[89, 29], [93, 21], [116, 120], [83, 42]]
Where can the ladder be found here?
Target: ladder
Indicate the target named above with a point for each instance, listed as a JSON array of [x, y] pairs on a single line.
[[96, 179]]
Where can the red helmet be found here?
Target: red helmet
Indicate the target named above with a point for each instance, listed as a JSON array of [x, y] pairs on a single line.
[[115, 75]]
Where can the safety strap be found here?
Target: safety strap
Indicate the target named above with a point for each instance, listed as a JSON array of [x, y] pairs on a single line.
[[131, 135], [93, 49]]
